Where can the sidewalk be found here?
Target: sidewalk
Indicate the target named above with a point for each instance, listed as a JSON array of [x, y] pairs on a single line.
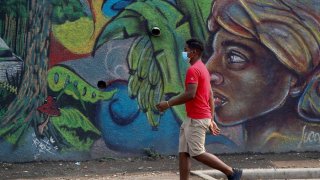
[[271, 173], [145, 168]]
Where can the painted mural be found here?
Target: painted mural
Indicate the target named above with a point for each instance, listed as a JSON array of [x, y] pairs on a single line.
[[79, 79]]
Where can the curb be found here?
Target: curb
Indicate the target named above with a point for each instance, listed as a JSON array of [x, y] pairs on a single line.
[[281, 173]]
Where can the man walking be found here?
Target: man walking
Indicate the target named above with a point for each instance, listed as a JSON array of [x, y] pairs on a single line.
[[199, 102]]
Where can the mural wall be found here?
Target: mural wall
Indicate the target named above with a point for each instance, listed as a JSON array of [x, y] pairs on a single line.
[[79, 79]]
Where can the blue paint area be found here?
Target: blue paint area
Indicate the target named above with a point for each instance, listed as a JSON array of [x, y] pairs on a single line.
[[112, 7], [172, 1], [130, 131], [126, 129]]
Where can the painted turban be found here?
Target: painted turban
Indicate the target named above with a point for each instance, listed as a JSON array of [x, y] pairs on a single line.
[[289, 28]]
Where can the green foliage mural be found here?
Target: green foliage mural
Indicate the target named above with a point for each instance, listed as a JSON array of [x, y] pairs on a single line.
[[152, 54], [13, 22], [197, 13], [62, 79], [66, 10], [76, 129], [13, 132]]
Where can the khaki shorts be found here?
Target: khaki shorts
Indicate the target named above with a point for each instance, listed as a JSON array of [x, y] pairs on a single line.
[[193, 135]]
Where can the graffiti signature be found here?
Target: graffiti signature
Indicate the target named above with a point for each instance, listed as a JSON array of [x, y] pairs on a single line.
[[310, 136], [43, 146]]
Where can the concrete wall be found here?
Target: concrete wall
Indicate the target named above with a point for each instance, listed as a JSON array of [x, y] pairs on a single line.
[[263, 57]]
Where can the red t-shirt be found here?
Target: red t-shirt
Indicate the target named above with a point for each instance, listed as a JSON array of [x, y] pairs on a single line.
[[199, 107]]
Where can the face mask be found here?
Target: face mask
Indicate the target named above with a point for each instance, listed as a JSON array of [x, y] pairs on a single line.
[[185, 56]]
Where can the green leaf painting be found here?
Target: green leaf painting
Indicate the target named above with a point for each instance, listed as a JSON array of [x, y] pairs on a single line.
[[155, 62], [13, 132], [66, 10], [63, 79], [167, 48], [76, 129], [198, 12]]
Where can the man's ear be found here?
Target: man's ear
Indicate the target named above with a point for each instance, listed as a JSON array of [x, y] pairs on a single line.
[[195, 52], [296, 86]]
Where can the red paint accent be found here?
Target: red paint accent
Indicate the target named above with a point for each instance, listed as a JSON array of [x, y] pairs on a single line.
[[58, 53], [49, 107]]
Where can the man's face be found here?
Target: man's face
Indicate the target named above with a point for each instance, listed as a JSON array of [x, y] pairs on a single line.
[[190, 51], [246, 78]]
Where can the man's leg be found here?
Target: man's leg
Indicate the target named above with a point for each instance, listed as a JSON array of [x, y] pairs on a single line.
[[214, 162], [196, 142], [184, 165], [184, 156]]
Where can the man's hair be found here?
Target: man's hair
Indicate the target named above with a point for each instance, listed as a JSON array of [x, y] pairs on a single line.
[[195, 44]]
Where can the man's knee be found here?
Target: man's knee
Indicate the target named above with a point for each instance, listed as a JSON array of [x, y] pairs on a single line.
[[184, 154], [198, 157]]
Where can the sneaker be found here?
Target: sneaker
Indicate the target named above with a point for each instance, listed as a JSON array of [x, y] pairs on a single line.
[[237, 173]]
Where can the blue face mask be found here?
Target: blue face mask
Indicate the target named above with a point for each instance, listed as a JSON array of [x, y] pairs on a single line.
[[185, 56]]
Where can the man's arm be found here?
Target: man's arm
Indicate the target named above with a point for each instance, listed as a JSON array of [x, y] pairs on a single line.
[[188, 95], [214, 129]]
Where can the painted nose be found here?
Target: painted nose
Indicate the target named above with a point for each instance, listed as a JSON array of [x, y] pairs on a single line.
[[216, 78]]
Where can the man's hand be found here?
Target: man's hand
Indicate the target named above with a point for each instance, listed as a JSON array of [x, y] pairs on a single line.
[[162, 106], [214, 129]]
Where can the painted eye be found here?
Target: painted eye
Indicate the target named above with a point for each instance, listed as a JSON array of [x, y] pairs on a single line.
[[236, 60], [236, 57]]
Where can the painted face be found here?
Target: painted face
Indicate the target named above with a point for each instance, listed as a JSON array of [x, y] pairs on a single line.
[[246, 78]]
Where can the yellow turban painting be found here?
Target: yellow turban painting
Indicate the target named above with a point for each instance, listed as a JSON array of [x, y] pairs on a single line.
[[265, 68]]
